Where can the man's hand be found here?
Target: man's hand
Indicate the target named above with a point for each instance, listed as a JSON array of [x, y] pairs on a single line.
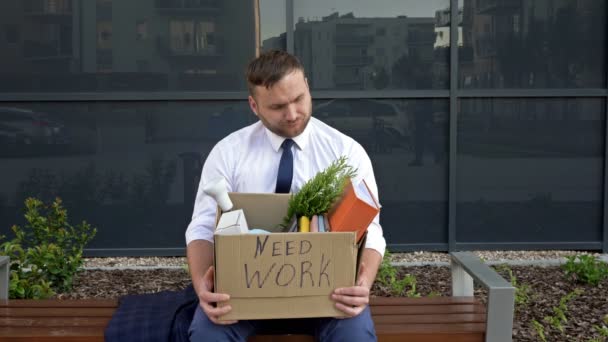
[[208, 299], [353, 300]]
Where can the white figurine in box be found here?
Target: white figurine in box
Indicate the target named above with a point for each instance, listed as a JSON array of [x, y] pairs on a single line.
[[231, 221]]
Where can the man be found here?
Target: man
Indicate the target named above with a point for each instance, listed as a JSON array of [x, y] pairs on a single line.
[[249, 161]]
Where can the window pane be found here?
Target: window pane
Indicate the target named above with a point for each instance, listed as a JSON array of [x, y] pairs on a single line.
[[386, 44], [530, 170], [533, 44], [407, 143], [130, 169], [273, 24], [84, 46]]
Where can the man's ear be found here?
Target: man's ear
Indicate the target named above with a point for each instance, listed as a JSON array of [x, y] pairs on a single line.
[[306, 81], [253, 105]]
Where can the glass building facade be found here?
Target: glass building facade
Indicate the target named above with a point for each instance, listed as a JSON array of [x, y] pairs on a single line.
[[485, 119]]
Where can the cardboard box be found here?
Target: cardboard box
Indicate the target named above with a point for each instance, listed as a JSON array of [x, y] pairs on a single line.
[[281, 275]]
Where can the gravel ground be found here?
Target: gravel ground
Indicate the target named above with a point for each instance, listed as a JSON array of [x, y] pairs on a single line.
[[396, 258], [113, 278]]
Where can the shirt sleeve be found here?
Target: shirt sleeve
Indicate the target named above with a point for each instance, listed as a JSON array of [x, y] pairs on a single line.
[[205, 207], [360, 160]]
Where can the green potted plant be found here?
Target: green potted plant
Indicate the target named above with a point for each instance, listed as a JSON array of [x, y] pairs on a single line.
[[318, 194]]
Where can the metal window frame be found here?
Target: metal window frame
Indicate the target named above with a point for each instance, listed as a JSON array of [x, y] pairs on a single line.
[[453, 94], [453, 129], [4, 276], [605, 171]]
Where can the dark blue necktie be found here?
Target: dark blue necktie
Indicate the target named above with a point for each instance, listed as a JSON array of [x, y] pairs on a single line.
[[285, 168]]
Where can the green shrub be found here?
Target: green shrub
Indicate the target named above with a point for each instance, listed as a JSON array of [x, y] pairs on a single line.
[[387, 273], [523, 292], [540, 330], [47, 252], [387, 276], [586, 269], [559, 312], [559, 317], [400, 285], [602, 330]]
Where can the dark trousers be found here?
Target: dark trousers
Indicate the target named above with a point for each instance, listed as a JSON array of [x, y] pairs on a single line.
[[358, 328]]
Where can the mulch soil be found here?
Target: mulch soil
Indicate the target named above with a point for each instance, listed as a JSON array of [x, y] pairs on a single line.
[[547, 286]]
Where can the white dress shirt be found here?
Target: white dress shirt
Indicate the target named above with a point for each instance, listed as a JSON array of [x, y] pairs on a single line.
[[249, 161]]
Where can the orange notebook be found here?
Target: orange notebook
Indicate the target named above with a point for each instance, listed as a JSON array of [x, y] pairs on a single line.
[[354, 211]]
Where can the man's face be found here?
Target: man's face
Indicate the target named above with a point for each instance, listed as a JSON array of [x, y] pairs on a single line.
[[286, 107]]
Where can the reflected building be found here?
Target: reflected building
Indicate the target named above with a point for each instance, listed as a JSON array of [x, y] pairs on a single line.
[[342, 51], [441, 48], [69, 45], [530, 44], [39, 36], [275, 43]]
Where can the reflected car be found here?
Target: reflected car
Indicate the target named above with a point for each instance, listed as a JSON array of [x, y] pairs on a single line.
[[378, 125], [26, 127]]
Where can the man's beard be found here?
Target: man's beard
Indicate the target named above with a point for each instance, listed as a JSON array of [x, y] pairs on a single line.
[[285, 132]]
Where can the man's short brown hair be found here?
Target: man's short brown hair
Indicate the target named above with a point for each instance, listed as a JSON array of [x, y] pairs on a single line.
[[270, 67]]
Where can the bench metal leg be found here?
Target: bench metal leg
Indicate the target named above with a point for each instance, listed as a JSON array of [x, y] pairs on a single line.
[[467, 268], [500, 314], [462, 282], [4, 266]]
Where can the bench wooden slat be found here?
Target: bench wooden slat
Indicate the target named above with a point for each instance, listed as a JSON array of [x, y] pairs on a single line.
[[438, 337], [396, 336], [426, 309], [377, 301], [50, 333], [452, 328], [457, 319], [59, 303], [430, 319], [56, 312], [55, 322]]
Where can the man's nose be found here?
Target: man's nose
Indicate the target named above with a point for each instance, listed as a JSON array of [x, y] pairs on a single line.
[[291, 112]]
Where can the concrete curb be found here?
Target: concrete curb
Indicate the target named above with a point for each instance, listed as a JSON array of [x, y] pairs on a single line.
[[135, 268], [543, 262], [537, 262]]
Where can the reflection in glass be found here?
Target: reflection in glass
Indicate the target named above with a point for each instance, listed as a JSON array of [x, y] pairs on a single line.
[[533, 44], [48, 6], [189, 36], [24, 131], [530, 170], [130, 169], [141, 30], [373, 46], [407, 143], [106, 45], [273, 25]]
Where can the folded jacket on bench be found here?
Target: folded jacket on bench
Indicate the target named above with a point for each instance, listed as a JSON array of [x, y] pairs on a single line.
[[163, 316]]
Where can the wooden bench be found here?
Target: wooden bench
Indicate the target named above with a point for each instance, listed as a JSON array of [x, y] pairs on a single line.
[[55, 320], [459, 318], [416, 319]]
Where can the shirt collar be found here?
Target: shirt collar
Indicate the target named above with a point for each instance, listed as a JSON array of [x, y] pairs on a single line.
[[301, 140]]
